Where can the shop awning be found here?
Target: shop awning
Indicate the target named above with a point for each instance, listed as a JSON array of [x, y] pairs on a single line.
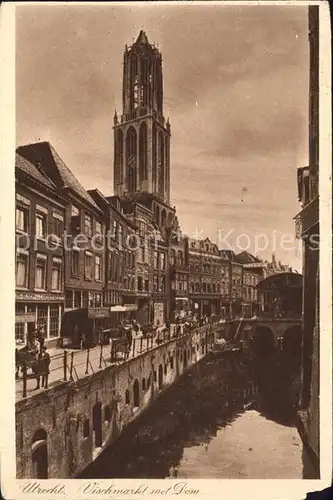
[[98, 312], [124, 308], [25, 318]]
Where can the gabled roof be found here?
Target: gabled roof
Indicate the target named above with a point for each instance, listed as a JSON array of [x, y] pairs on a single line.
[[231, 256], [247, 258], [43, 155], [30, 169]]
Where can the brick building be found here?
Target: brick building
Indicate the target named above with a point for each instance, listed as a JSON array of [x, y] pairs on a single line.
[[225, 288], [120, 259], [204, 277], [83, 244], [40, 213], [235, 284]]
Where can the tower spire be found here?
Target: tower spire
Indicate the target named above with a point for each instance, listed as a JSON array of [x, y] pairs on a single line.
[[142, 136]]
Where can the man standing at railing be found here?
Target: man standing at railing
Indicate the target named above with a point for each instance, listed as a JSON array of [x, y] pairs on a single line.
[[44, 361]]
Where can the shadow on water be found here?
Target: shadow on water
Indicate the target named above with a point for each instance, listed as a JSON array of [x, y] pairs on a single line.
[[190, 413], [211, 396]]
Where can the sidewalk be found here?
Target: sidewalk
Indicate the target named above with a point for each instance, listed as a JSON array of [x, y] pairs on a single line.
[[80, 366]]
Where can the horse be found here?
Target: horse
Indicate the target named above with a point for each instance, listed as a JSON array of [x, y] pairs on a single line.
[[27, 357]]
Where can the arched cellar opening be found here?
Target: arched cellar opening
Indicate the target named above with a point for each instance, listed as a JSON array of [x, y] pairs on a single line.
[[97, 423], [39, 454], [263, 342], [160, 377], [136, 394], [185, 358]]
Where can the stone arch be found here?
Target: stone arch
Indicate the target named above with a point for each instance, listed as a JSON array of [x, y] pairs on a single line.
[[160, 377], [97, 423], [39, 454], [161, 163], [143, 152], [131, 159], [136, 393], [107, 413]]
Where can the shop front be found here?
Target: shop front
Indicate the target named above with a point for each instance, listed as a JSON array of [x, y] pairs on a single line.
[[144, 315], [181, 307], [206, 305], [37, 310], [82, 327], [119, 314], [159, 313]]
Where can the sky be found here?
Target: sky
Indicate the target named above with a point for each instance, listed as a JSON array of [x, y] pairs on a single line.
[[235, 89]]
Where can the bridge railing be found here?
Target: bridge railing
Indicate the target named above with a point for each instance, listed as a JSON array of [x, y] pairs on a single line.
[[70, 365]]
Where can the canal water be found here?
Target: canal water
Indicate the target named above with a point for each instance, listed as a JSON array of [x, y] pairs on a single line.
[[219, 421]]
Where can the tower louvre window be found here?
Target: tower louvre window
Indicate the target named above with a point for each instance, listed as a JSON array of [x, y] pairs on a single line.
[[143, 152], [131, 159]]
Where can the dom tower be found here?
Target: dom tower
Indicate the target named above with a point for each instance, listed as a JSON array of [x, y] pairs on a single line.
[[141, 135]]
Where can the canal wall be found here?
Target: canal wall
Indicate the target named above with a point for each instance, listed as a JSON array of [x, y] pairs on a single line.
[[59, 432]]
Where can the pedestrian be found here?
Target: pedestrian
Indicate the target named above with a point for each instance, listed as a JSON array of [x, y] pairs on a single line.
[[41, 338], [44, 361]]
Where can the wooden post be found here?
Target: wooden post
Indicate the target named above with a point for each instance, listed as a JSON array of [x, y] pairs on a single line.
[[133, 348], [71, 368], [100, 357], [24, 372], [87, 363], [65, 365]]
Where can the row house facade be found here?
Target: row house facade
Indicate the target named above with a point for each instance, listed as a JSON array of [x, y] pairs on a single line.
[[179, 273], [40, 215], [154, 220], [253, 273], [204, 277], [120, 257], [141, 217], [236, 284], [82, 242]]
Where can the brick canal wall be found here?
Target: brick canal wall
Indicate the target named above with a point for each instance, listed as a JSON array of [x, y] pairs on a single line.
[[60, 431]]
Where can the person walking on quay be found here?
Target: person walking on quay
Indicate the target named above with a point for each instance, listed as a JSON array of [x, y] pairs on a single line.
[[44, 361]]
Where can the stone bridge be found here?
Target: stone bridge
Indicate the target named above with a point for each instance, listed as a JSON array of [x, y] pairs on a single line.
[[276, 328], [63, 429]]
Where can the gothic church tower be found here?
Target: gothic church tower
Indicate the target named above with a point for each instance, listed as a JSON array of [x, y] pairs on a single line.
[[141, 135]]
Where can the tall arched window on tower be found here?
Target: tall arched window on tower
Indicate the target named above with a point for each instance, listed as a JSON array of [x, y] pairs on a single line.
[[143, 152], [154, 148], [144, 69], [119, 148], [131, 160], [161, 165]]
